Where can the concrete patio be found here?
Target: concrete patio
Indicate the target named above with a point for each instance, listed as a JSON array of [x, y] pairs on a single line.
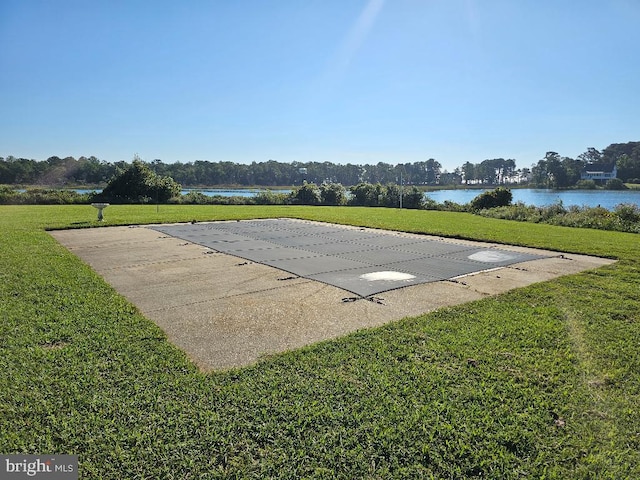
[[229, 293]]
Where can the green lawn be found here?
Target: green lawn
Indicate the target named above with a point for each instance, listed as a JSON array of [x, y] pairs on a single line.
[[540, 382]]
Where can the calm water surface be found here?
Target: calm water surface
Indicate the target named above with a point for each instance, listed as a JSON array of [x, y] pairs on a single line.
[[529, 196], [543, 197]]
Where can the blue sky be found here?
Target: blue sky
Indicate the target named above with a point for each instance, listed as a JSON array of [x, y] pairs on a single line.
[[345, 81]]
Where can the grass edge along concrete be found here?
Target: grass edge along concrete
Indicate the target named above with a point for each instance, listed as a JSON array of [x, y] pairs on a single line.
[[539, 382]]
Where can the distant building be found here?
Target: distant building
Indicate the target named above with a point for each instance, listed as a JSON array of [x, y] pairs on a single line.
[[599, 171]]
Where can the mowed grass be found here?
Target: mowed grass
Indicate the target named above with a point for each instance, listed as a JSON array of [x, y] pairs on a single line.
[[540, 382]]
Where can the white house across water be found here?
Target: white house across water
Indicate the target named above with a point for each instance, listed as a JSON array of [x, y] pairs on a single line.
[[599, 171]]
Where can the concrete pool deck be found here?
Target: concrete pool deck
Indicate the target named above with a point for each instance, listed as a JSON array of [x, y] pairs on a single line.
[[227, 311]]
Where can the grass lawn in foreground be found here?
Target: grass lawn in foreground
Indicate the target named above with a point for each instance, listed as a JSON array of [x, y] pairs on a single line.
[[540, 382]]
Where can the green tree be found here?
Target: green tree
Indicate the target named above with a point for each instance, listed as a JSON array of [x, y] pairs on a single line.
[[138, 183], [333, 194], [573, 170], [380, 173], [500, 197], [366, 194], [615, 184], [586, 184], [628, 167], [413, 198], [432, 170], [626, 156], [351, 174], [468, 172], [307, 194], [592, 155], [391, 196], [550, 172]]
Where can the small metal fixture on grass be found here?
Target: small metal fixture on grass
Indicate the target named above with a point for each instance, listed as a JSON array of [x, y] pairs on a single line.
[[100, 207]]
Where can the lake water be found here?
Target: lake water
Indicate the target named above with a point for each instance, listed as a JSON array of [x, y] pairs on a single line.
[[529, 196], [539, 197], [542, 197]]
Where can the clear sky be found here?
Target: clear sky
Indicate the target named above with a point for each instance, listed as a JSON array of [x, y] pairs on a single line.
[[345, 81]]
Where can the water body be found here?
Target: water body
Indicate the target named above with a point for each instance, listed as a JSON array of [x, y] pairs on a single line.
[[538, 197], [529, 196], [543, 197]]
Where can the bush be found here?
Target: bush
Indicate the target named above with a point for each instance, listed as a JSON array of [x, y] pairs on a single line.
[[500, 197], [333, 194], [625, 218], [586, 184], [413, 198], [270, 198], [450, 206], [7, 194], [367, 195], [307, 194], [552, 211], [44, 196], [615, 184], [194, 198], [390, 196], [519, 212], [628, 213], [377, 195], [430, 204], [138, 183], [585, 217]]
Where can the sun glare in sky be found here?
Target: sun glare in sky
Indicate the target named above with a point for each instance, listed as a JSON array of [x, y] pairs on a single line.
[[346, 82]]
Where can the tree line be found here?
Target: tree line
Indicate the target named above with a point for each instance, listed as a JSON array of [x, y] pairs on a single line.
[[553, 171]]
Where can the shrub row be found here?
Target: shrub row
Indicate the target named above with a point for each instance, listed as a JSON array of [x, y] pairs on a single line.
[[495, 203], [43, 196], [624, 218]]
